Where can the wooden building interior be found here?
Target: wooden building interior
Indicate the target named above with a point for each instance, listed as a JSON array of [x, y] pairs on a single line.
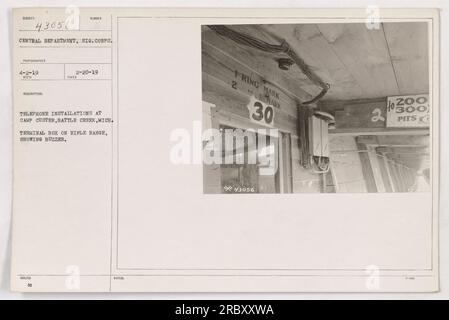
[[363, 67]]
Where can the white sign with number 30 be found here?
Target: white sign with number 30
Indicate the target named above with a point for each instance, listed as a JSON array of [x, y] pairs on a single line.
[[408, 111], [260, 112]]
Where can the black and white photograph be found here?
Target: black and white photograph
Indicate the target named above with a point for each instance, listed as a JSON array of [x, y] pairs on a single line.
[[224, 152], [316, 108]]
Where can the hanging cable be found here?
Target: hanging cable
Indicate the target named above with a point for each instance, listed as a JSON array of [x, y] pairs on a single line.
[[284, 47], [316, 164]]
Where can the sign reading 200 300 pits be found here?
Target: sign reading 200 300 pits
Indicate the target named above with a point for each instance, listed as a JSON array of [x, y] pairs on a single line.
[[408, 111]]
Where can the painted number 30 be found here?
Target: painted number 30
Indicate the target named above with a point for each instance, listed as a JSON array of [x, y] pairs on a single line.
[[261, 114]]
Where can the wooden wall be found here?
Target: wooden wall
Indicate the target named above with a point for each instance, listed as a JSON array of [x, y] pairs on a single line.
[[229, 81], [356, 63], [361, 63]]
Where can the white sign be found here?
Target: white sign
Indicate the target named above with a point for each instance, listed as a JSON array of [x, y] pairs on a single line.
[[408, 111], [260, 112]]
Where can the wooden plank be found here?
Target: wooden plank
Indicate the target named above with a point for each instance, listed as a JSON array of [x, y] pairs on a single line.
[[224, 85], [366, 166], [407, 140], [353, 59], [395, 141], [390, 174], [366, 115], [407, 42], [384, 171], [234, 102], [404, 149], [398, 185], [378, 132], [262, 63], [241, 78], [293, 76], [411, 161], [401, 174], [308, 41], [365, 54]]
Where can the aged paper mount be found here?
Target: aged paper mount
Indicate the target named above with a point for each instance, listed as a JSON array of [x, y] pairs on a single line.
[[232, 150]]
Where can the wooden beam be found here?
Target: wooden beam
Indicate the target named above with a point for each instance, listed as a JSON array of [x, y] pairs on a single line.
[[378, 132], [403, 149], [364, 117], [366, 167], [407, 42], [308, 41], [364, 53], [261, 63]]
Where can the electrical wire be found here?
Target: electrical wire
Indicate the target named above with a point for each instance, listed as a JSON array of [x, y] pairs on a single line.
[[316, 164], [284, 47]]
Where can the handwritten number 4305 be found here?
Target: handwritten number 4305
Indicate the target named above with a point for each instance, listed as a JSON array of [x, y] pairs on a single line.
[[47, 25]]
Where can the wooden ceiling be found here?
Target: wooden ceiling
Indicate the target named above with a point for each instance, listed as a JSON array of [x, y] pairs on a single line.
[[357, 62]]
